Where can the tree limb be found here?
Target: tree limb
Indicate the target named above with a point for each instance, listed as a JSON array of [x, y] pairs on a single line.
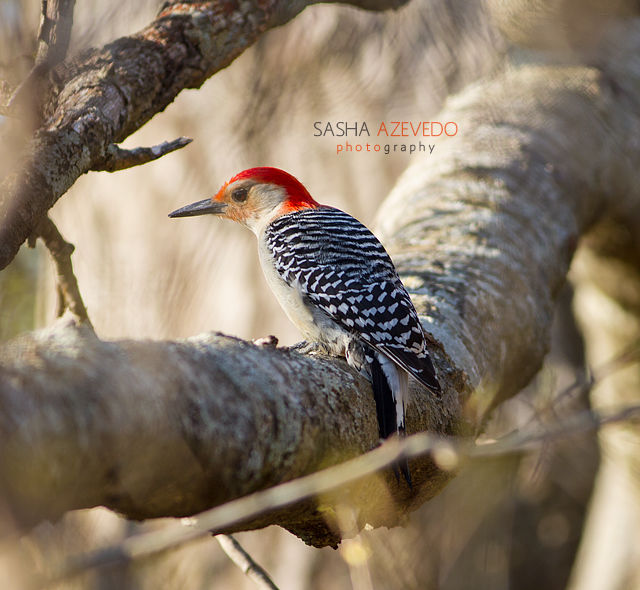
[[106, 94], [171, 428], [54, 33]]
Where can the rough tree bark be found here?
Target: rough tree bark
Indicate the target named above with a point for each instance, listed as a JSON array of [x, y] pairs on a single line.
[[483, 235]]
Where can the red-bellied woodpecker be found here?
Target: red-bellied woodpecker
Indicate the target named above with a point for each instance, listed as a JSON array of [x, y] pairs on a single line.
[[336, 283]]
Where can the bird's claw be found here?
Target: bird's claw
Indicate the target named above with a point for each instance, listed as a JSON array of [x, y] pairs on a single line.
[[306, 347]]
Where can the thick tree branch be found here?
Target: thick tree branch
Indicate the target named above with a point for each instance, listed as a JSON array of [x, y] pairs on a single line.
[[106, 94], [172, 428]]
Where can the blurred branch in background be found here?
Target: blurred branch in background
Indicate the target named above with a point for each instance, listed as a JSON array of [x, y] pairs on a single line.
[[54, 34]]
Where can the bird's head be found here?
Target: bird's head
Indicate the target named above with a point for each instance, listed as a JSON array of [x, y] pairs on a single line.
[[254, 197]]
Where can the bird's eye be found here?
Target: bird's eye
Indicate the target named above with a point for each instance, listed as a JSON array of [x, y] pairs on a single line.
[[240, 195]]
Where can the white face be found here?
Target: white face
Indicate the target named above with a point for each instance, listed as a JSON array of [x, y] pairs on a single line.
[[251, 203]]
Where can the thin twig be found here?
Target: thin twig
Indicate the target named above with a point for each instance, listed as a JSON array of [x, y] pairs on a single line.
[[626, 357], [583, 385], [61, 250], [229, 514], [118, 158], [245, 562]]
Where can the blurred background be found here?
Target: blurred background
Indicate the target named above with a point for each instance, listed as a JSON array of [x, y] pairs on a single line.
[[513, 522]]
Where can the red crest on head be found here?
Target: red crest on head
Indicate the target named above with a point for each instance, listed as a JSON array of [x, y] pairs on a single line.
[[298, 195]]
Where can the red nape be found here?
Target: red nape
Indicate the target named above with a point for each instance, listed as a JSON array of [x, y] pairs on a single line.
[[299, 197]]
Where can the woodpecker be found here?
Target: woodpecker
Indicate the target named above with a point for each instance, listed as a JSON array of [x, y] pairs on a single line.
[[336, 283]]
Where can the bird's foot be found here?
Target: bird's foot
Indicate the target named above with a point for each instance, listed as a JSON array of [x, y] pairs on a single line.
[[306, 347]]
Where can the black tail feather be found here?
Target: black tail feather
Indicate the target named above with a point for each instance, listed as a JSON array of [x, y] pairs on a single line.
[[386, 412], [385, 406]]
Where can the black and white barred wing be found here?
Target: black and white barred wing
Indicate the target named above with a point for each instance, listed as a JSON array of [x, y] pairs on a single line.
[[342, 268]]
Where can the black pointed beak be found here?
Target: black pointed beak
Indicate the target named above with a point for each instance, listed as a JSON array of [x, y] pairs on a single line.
[[204, 207]]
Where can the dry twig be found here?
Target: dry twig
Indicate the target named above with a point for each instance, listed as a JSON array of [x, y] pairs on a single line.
[[245, 562], [117, 158], [61, 250]]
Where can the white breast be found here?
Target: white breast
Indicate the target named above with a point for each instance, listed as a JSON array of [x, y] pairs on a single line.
[[312, 322]]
